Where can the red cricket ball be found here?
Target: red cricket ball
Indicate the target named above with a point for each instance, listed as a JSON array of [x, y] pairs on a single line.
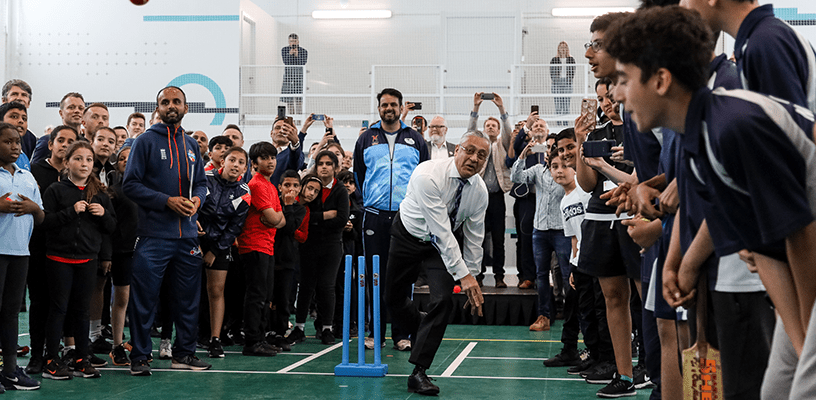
[[139, 2]]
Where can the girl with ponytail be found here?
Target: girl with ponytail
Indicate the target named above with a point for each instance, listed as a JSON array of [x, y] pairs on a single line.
[[78, 212]]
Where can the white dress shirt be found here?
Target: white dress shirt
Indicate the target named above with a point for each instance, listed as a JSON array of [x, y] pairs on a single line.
[[427, 204], [439, 152]]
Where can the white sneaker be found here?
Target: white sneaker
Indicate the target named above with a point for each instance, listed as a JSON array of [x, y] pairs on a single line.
[[403, 345], [369, 343], [165, 350]]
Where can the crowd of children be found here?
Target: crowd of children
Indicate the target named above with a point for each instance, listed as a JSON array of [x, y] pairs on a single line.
[[698, 179]]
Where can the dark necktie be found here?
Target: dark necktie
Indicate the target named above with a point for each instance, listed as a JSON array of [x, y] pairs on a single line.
[[457, 199]]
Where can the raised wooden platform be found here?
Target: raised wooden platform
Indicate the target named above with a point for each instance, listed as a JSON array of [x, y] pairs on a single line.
[[509, 306]]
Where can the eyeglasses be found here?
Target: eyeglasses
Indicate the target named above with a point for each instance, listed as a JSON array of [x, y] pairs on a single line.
[[596, 46], [437, 127], [470, 151]]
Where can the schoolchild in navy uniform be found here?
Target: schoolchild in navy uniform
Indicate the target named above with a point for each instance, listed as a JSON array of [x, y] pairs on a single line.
[[286, 258], [20, 208], [221, 220], [768, 205], [123, 241], [104, 143], [321, 253], [772, 57], [46, 171], [352, 245], [78, 213]]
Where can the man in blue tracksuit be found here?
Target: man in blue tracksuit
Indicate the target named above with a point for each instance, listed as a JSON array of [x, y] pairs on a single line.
[[165, 178], [384, 159]]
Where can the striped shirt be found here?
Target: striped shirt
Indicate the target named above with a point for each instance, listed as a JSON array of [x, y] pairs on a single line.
[[759, 161], [774, 59]]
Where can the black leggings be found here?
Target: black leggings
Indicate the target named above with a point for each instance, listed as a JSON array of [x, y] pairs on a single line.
[[13, 270], [318, 271], [71, 287], [40, 302]]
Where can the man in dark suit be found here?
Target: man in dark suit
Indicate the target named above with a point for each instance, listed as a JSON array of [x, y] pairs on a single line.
[[437, 146]]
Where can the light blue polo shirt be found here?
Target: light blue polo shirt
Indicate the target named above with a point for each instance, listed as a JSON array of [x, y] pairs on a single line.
[[15, 232]]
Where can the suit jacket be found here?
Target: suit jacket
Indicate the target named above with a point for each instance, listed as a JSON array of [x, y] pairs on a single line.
[[498, 150], [451, 148]]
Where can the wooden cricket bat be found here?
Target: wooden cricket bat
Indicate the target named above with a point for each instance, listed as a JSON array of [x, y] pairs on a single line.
[[702, 374]]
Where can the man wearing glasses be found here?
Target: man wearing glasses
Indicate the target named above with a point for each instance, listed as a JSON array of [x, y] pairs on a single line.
[[437, 145], [444, 199]]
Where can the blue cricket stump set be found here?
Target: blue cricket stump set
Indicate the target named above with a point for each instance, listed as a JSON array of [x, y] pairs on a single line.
[[361, 369]]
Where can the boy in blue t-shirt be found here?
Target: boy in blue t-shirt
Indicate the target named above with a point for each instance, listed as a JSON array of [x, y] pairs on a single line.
[[768, 205], [20, 208]]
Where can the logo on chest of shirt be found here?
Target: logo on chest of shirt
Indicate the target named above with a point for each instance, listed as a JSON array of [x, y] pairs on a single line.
[[191, 155], [163, 154], [410, 141], [374, 140], [573, 210]]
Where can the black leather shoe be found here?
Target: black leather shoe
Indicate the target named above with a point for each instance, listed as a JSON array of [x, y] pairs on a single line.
[[420, 383]]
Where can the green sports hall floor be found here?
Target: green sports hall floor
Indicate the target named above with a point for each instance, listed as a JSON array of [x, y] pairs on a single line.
[[473, 362]]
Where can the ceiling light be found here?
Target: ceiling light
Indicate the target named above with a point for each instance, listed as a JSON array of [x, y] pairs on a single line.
[[588, 11], [350, 14]]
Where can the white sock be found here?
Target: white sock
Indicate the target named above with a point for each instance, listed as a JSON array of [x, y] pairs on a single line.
[[96, 329], [329, 327], [66, 349], [302, 326]]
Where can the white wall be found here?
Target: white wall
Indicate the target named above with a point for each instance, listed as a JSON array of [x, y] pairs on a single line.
[[4, 24], [106, 50]]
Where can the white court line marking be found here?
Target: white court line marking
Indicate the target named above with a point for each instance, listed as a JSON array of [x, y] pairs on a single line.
[[461, 357], [22, 334], [285, 353], [332, 374], [507, 358], [310, 358]]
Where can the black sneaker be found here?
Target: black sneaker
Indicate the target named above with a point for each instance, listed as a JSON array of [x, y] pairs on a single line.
[[119, 356], [82, 368], [107, 332], [270, 346], [603, 373], [189, 362], [237, 337], [18, 380], [57, 370], [154, 332], [583, 366], [259, 350], [101, 346], [327, 337], [641, 379], [566, 358], [214, 349], [35, 365], [296, 336], [68, 356], [617, 388], [96, 361], [226, 340], [140, 368], [279, 341]]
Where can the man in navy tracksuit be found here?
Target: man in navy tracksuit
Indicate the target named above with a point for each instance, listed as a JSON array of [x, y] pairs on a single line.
[[384, 159], [165, 178]]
